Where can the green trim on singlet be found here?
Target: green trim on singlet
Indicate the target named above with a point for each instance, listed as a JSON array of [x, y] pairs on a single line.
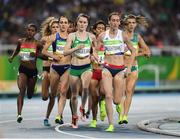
[[134, 42], [86, 42], [50, 49], [135, 37]]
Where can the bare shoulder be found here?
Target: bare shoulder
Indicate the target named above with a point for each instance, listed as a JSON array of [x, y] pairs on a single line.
[[125, 36], [44, 38], [21, 40], [91, 35], [71, 35], [52, 37]]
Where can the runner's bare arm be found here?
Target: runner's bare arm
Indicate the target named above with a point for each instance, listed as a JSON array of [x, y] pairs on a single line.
[[15, 52], [48, 43], [94, 47], [39, 51], [144, 49], [100, 40], [132, 49]]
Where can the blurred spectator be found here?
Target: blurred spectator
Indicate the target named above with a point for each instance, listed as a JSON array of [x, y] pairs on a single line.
[[164, 16]]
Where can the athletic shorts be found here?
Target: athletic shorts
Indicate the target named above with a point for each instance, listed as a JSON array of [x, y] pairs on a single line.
[[46, 68], [97, 74], [30, 73], [79, 70], [60, 69], [113, 69]]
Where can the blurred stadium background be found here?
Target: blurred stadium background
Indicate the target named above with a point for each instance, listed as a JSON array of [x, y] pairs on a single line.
[[158, 73]]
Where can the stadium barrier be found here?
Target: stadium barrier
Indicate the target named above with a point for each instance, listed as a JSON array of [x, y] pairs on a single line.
[[154, 72]]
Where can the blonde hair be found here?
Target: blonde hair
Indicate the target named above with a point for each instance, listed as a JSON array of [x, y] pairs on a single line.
[[46, 26], [141, 20]]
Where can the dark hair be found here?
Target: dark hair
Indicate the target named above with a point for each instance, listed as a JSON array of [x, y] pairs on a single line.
[[32, 25], [113, 13], [83, 15], [99, 22], [71, 22], [63, 17]]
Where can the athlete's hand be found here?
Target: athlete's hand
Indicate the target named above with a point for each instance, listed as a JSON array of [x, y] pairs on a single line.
[[92, 58], [127, 72], [148, 55], [61, 56], [100, 62], [80, 46], [57, 57]]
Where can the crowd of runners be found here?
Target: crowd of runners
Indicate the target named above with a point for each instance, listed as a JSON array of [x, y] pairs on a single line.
[[99, 65]]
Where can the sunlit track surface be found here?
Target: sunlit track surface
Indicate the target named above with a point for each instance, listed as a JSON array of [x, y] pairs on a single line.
[[144, 106]]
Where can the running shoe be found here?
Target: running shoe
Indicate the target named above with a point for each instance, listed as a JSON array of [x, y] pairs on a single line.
[[110, 128], [125, 119], [118, 108], [102, 110], [93, 124], [46, 122], [19, 118], [87, 114], [59, 120], [74, 121], [83, 115], [120, 119]]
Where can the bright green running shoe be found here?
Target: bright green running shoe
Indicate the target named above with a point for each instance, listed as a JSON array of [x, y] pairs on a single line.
[[93, 124], [120, 119], [125, 119], [110, 128], [59, 120], [102, 110]]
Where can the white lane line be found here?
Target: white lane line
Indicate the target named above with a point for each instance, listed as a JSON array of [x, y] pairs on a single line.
[[57, 128], [9, 121]]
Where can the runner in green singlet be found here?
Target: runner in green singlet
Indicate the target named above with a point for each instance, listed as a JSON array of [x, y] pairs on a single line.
[[130, 23], [79, 46]]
